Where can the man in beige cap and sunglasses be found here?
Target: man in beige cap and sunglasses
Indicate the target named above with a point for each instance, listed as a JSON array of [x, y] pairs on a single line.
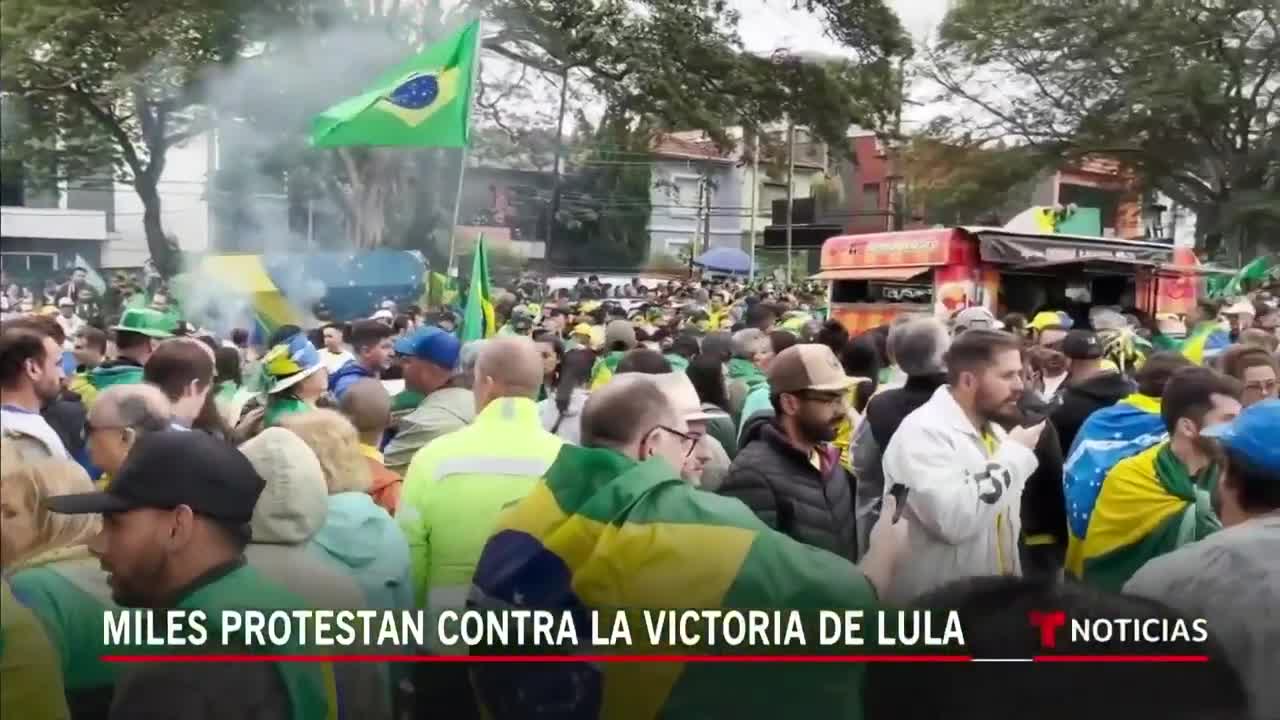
[[784, 470]]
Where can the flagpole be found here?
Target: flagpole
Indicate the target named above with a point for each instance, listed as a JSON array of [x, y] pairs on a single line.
[[466, 151]]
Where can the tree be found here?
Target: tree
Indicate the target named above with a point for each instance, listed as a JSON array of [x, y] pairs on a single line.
[[1185, 92], [954, 183], [109, 87]]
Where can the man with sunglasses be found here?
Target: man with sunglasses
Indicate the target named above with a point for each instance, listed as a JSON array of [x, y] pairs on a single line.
[[785, 469], [122, 415]]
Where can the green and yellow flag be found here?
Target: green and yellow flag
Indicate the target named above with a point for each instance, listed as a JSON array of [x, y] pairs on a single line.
[[424, 102], [477, 319], [602, 532]]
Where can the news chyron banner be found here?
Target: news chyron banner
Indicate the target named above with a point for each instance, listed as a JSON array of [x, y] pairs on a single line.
[[672, 635]]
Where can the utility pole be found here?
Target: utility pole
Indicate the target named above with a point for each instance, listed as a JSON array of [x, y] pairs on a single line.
[[755, 202], [555, 172], [791, 176]]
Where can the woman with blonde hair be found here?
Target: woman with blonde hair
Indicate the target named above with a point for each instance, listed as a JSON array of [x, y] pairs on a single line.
[[357, 533], [50, 570]]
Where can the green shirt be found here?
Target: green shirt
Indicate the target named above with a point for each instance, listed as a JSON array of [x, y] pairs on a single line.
[[28, 665]]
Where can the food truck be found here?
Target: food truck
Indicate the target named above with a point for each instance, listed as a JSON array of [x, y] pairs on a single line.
[[874, 278]]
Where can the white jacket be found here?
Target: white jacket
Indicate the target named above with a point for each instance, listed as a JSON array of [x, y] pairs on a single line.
[[963, 506]]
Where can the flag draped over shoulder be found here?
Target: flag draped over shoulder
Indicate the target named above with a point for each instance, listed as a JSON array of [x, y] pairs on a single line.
[[424, 102], [602, 532], [1107, 437], [1148, 506], [478, 320]]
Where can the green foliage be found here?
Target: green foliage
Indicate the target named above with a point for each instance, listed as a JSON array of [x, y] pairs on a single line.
[[106, 88], [959, 184], [604, 209], [1185, 92]]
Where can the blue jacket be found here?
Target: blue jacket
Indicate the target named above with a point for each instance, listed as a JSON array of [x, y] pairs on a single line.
[[364, 540], [345, 376]]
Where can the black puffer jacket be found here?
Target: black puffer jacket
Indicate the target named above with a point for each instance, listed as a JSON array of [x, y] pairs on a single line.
[[785, 490], [1082, 399]]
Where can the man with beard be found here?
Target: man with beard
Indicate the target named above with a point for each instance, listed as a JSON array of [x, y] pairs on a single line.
[[1044, 518], [176, 540], [30, 378], [963, 474], [1159, 500], [785, 470]]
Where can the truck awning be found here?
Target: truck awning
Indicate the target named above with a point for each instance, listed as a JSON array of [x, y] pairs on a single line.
[[873, 273], [1008, 248]]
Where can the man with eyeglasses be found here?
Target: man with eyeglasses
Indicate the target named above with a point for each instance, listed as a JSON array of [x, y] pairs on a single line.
[[120, 416], [784, 471]]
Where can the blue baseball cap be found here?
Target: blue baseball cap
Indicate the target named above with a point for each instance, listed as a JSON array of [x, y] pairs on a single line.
[[432, 344], [1251, 435]]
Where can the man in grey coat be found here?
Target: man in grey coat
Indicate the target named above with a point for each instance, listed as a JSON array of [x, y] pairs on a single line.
[[918, 347]]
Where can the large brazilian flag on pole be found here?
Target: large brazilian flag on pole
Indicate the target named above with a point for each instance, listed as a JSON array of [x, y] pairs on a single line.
[[424, 102]]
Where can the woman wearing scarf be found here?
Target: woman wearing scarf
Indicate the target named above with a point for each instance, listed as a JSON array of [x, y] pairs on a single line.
[[297, 378]]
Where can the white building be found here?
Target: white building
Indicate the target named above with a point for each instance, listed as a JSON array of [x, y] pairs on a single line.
[[100, 221]]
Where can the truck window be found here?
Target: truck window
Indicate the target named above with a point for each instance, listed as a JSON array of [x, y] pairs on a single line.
[[874, 291]]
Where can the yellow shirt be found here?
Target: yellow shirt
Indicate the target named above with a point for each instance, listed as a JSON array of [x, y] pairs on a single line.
[[372, 453]]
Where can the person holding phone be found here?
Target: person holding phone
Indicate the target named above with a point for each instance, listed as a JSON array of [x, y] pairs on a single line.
[[965, 474]]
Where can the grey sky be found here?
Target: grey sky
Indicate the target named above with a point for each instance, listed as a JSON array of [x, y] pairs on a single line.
[[770, 24]]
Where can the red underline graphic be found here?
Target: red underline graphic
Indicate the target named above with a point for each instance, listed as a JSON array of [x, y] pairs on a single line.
[[648, 658], [542, 658], [1123, 658]]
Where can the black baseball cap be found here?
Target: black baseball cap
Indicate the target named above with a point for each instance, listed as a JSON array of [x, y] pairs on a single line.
[[1082, 345], [172, 468]]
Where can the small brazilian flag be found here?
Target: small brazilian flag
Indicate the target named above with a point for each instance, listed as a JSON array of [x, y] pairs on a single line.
[[425, 102]]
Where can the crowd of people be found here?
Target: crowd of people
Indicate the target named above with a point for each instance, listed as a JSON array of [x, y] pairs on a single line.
[[686, 445]]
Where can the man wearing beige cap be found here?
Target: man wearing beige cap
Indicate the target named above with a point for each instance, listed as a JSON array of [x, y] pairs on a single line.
[[784, 470], [1240, 317], [707, 462]]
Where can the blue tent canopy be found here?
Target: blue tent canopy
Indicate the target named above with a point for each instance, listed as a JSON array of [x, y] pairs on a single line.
[[725, 260]]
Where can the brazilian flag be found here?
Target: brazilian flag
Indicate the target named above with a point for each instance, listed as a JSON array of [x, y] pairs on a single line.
[[1149, 506], [602, 532], [478, 321], [424, 102]]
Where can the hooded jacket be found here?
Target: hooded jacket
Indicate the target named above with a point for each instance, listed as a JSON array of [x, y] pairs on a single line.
[[1082, 399], [122, 371], [346, 376], [290, 511], [964, 500], [364, 540], [784, 489], [743, 377]]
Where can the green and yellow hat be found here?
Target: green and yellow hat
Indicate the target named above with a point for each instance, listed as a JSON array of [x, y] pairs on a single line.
[[146, 321]]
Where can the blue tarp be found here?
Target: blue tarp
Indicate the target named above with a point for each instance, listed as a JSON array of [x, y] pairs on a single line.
[[725, 260]]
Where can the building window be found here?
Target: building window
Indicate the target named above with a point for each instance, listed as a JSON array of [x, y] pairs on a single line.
[[769, 192], [684, 196], [21, 262], [870, 196]]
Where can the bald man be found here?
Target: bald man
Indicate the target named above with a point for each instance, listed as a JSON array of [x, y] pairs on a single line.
[[509, 367], [367, 405], [458, 483], [120, 415]]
